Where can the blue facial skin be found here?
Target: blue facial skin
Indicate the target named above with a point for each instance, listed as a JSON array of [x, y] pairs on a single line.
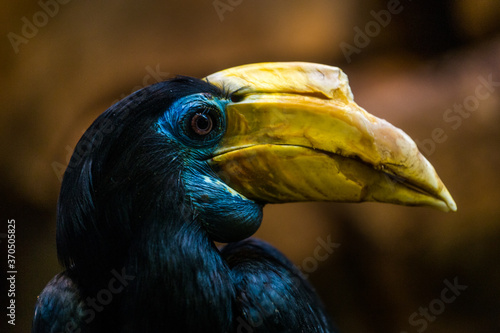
[[226, 215]]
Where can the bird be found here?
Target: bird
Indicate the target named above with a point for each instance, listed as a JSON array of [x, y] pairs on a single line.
[[165, 177]]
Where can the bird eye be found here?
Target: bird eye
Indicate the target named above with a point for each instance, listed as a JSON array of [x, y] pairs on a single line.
[[202, 123], [199, 121]]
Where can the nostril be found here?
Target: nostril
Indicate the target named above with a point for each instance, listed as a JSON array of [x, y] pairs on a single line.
[[235, 98]]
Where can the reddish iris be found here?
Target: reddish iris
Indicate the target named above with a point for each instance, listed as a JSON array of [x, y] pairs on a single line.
[[201, 124]]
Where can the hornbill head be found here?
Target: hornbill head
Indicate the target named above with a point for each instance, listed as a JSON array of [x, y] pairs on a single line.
[[207, 154]]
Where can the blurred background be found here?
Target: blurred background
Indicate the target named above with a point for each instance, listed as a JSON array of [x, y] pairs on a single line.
[[431, 68]]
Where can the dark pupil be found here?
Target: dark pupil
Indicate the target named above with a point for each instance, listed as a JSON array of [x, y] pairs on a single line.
[[201, 124]]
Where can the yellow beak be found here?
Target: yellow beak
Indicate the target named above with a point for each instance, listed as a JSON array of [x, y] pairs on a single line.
[[294, 133]]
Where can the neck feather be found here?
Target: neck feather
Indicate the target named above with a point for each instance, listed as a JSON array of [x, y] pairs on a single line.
[[181, 279]]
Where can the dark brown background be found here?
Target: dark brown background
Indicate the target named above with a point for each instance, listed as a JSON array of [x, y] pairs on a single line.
[[391, 260]]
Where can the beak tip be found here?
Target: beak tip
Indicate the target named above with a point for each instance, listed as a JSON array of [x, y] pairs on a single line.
[[447, 202], [451, 205]]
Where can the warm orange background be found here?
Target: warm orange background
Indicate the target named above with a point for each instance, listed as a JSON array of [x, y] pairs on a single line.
[[391, 260]]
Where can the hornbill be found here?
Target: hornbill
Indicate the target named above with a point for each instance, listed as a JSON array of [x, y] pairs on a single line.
[[166, 172]]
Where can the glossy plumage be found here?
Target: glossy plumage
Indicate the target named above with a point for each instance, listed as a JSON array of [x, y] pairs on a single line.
[[139, 200]]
